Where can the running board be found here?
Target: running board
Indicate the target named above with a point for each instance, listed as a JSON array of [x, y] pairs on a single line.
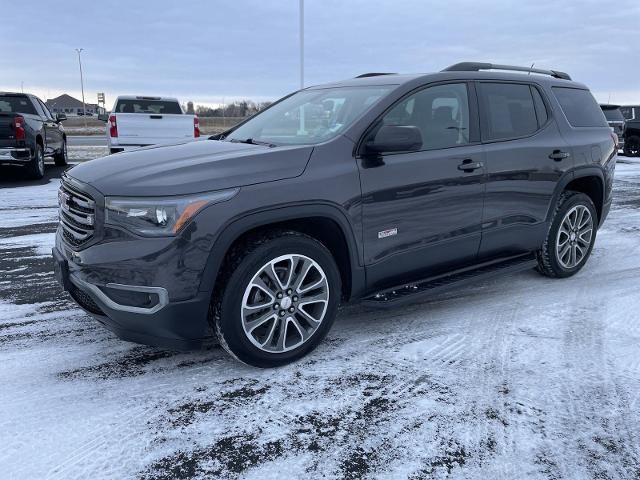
[[410, 292]]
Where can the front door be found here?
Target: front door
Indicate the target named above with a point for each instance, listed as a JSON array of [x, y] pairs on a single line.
[[422, 210]]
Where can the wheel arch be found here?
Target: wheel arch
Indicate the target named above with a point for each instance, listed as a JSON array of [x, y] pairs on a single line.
[[588, 180], [326, 223]]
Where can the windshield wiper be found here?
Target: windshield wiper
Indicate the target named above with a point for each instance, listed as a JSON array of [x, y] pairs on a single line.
[[251, 141]]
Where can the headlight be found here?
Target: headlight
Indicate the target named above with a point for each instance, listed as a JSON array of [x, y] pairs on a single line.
[[160, 216]]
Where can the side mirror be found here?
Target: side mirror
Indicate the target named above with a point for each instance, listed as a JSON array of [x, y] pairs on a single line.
[[104, 117], [395, 138], [61, 117]]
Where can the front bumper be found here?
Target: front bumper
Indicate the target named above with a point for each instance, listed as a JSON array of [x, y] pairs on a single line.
[[159, 320]]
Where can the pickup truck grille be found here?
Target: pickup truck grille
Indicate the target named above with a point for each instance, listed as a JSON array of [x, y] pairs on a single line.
[[77, 215]]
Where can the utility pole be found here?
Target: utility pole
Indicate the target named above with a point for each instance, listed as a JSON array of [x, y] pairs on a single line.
[[84, 105]]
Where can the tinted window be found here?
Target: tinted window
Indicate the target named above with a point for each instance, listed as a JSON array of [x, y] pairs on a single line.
[[154, 107], [440, 112], [508, 109], [580, 108], [16, 104], [627, 112], [46, 111], [613, 114], [541, 109]]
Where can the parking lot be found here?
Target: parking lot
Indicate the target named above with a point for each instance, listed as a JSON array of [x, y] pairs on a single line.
[[521, 376]]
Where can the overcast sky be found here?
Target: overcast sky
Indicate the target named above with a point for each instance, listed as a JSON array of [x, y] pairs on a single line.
[[206, 50]]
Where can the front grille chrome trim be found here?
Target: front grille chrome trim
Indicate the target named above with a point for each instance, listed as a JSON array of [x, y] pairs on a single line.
[[77, 214]]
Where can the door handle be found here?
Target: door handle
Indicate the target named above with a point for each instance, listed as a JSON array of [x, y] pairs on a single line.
[[559, 155], [469, 165]]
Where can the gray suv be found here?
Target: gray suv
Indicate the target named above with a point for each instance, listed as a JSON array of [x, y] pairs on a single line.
[[384, 188]]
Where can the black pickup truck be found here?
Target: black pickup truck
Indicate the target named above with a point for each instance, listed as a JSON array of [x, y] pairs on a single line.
[[632, 138], [29, 133]]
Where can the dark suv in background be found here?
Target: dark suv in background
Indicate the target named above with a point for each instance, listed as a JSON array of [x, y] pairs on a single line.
[[382, 188], [616, 120]]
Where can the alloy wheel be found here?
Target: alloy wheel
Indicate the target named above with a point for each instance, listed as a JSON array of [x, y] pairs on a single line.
[[285, 303], [574, 237]]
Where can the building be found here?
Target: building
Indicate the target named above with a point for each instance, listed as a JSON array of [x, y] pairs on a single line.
[[69, 105]]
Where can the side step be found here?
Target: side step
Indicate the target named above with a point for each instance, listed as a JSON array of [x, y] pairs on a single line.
[[411, 292]]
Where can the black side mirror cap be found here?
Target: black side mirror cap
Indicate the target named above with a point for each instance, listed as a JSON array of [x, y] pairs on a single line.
[[61, 117], [395, 138]]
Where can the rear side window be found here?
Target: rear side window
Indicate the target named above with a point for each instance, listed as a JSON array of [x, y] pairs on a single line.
[[509, 111], [541, 109], [154, 107], [580, 108], [16, 104]]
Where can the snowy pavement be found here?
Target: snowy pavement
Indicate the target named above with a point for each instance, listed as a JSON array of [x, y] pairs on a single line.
[[520, 377]]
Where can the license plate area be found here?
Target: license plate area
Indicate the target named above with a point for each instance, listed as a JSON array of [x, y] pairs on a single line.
[[61, 270]]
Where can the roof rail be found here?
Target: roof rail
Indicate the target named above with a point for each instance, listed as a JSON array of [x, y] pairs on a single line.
[[374, 74], [477, 66]]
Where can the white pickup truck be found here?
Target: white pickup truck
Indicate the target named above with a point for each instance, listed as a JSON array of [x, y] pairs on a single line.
[[139, 121]]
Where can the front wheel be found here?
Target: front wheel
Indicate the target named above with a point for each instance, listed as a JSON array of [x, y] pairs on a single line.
[[571, 236], [61, 157], [277, 298]]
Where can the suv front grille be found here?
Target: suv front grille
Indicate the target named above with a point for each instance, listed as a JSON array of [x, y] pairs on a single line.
[[77, 215]]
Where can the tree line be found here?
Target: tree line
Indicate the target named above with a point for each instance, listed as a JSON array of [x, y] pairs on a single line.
[[240, 108]]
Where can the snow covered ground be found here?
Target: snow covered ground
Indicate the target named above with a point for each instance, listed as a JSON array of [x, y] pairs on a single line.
[[521, 377]]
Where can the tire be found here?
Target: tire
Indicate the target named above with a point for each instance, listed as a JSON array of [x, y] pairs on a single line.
[[35, 167], [632, 146], [239, 307], [61, 157], [571, 228]]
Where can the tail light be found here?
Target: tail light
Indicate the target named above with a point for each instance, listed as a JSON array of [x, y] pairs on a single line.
[[614, 136], [113, 126], [196, 127], [19, 125]]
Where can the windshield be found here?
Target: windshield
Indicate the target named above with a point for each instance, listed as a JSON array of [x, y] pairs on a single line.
[[613, 114], [309, 116]]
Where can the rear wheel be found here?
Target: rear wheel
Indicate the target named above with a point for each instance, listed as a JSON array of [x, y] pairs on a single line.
[[632, 146], [571, 237], [276, 299], [61, 157], [35, 167]]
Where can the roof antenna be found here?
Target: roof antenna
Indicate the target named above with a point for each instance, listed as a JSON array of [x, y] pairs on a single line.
[[531, 68], [609, 100]]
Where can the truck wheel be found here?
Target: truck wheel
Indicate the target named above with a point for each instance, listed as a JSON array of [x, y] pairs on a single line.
[[35, 167], [61, 157], [276, 298], [632, 146], [571, 236]]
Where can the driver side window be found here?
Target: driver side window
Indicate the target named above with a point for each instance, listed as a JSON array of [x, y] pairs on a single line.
[[441, 113]]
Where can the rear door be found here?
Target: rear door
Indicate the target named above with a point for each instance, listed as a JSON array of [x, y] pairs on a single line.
[[151, 122], [422, 210], [525, 156], [54, 135]]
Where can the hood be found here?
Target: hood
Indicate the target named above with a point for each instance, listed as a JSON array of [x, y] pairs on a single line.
[[192, 167]]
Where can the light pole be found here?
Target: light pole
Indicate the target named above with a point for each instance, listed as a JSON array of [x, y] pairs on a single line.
[[301, 44], [301, 125], [84, 106]]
